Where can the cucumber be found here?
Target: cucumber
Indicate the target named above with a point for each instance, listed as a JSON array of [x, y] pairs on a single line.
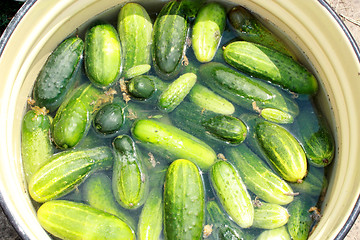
[[97, 192], [129, 179], [175, 93], [250, 29], [207, 99], [192, 7], [141, 87], [207, 31], [58, 75], [73, 221], [275, 234], [173, 142], [66, 170], [276, 116], [36, 147], [72, 120], [268, 64], [282, 150], [109, 119], [102, 55], [135, 31], [151, 218], [169, 40], [258, 177], [232, 193], [300, 221], [184, 201], [270, 216], [245, 91]]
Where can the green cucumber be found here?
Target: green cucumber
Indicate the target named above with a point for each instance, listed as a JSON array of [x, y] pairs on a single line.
[[135, 31], [276, 234], [109, 119], [97, 192], [57, 76], [270, 216], [232, 193], [66, 170], [192, 7], [74, 221], [151, 218], [250, 93], [249, 28], [72, 120], [207, 31], [276, 116], [268, 64], [175, 93], [300, 221], [174, 142], [141, 87], [36, 147], [169, 39], [184, 201], [129, 179], [102, 55], [258, 177]]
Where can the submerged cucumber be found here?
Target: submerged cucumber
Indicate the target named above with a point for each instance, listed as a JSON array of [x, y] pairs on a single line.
[[280, 233], [109, 119], [300, 220], [270, 216]]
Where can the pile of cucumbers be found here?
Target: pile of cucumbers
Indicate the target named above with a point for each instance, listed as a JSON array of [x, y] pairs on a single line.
[[195, 122]]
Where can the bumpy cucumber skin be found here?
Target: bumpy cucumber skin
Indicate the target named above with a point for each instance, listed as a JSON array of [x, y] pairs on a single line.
[[141, 87], [102, 55], [169, 39], [207, 31], [300, 220], [184, 201], [271, 65], [66, 170], [259, 178], [175, 93], [282, 150], [172, 141], [97, 192], [276, 116], [109, 119], [278, 233], [232, 193], [73, 118], [36, 147], [129, 179], [54, 82], [270, 216], [75, 221], [192, 7], [135, 31]]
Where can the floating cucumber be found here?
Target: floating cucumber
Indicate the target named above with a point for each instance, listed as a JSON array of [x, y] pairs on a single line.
[[270, 216], [300, 220], [280, 233]]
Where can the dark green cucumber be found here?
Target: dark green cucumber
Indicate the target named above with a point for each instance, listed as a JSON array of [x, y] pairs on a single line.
[[135, 31], [102, 55], [300, 220], [169, 39], [270, 216], [280, 233], [173, 142], [97, 192], [249, 28], [184, 201], [70, 220], [151, 218], [73, 118], [258, 177], [269, 64], [66, 170], [232, 193], [109, 119], [207, 31], [57, 76], [146, 87], [130, 181], [192, 7], [36, 147], [250, 93]]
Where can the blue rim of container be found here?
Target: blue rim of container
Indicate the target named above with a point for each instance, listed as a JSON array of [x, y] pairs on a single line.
[[29, 3]]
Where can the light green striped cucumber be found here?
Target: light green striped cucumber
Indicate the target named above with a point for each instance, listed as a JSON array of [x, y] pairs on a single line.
[[269, 64], [66, 170], [97, 192], [232, 193], [184, 201], [280, 233], [151, 218], [129, 180], [258, 177], [36, 147], [135, 31], [74, 221], [207, 31], [270, 216], [300, 221], [102, 55], [276, 116], [175, 93], [173, 142], [73, 119]]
